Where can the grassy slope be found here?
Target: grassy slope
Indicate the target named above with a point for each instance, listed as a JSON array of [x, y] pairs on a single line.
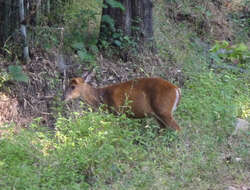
[[98, 151]]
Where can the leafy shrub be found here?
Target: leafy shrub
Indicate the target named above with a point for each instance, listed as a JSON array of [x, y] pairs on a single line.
[[17, 74], [114, 4], [83, 54], [120, 43], [114, 41], [99, 140], [4, 76], [223, 52], [211, 100], [85, 149]]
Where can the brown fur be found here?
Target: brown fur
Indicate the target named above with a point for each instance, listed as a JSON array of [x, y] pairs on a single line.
[[145, 96]]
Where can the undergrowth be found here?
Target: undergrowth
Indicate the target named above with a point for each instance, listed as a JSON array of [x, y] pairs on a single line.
[[96, 150], [83, 150]]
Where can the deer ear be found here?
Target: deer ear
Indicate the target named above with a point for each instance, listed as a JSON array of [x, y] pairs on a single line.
[[77, 81], [88, 75], [88, 78]]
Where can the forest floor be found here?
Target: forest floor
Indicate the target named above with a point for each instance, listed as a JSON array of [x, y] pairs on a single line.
[[35, 99], [206, 155]]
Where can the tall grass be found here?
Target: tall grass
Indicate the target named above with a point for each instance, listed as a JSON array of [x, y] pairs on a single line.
[[96, 150]]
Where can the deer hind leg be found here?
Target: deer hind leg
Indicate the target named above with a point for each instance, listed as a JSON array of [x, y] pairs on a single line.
[[167, 120], [164, 108]]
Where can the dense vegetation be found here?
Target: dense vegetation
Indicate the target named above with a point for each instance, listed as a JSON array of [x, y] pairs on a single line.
[[97, 150]]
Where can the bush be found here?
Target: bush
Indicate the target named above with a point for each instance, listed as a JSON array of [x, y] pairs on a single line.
[[211, 102], [85, 149]]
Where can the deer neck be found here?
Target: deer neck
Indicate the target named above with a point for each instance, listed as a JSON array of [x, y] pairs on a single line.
[[90, 95]]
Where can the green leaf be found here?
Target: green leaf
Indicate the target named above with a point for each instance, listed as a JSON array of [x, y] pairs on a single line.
[[118, 43], [115, 4], [116, 35], [241, 48], [78, 45], [223, 44], [82, 55], [17, 74], [219, 45], [216, 58], [85, 56], [110, 21]]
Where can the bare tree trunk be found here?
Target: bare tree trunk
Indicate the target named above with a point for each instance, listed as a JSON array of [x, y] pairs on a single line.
[[142, 13], [135, 21], [6, 22], [48, 7], [24, 33], [38, 11]]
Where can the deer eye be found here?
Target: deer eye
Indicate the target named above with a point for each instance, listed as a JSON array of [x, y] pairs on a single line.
[[73, 87]]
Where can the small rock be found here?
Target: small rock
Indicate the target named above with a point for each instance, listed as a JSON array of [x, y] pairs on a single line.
[[238, 188], [111, 78], [245, 188], [238, 159], [231, 188], [241, 126]]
